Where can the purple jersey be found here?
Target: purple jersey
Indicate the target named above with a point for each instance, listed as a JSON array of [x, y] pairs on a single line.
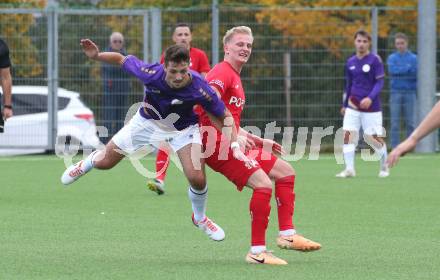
[[364, 78], [166, 100]]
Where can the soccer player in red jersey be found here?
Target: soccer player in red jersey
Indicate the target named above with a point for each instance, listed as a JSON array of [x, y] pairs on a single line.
[[226, 81], [198, 62]]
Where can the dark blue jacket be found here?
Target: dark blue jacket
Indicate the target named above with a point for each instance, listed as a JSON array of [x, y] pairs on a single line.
[[402, 70], [115, 80]]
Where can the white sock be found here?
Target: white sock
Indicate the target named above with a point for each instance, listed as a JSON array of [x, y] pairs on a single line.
[[88, 162], [348, 150], [198, 200], [287, 232], [383, 156], [258, 249]]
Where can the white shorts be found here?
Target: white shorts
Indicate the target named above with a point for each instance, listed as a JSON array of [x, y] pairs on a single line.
[[140, 132], [371, 122]]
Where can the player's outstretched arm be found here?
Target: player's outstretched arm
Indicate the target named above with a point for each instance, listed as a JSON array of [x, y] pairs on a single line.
[[91, 50], [408, 145], [431, 122]]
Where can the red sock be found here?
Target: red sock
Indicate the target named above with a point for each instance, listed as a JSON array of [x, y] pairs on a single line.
[[285, 196], [162, 162], [259, 207]]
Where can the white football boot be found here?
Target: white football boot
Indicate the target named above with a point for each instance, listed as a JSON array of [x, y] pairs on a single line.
[[346, 173], [384, 172], [72, 173], [75, 171], [214, 231]]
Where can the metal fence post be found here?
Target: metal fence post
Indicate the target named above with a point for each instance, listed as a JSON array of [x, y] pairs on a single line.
[[288, 86], [215, 32], [52, 75], [374, 29], [145, 31], [156, 34], [426, 75]]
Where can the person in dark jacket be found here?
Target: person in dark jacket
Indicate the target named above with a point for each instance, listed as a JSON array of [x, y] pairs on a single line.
[[402, 67], [6, 83], [116, 88]]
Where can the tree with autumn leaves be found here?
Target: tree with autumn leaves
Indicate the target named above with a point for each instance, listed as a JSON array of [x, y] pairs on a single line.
[[318, 34], [312, 27], [324, 28]]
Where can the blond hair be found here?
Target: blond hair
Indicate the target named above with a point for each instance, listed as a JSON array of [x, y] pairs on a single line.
[[236, 30]]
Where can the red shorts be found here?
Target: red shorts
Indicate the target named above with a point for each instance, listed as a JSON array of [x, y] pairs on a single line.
[[237, 171]]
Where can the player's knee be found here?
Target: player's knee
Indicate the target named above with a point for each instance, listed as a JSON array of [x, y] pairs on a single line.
[[103, 164], [281, 169], [286, 182], [347, 137], [197, 181], [262, 189], [288, 169], [260, 182], [379, 139]]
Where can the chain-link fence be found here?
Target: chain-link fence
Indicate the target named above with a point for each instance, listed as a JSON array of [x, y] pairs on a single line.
[[294, 77]]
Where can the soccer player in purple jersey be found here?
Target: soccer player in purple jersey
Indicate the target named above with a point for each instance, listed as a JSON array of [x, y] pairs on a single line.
[[171, 91], [364, 73]]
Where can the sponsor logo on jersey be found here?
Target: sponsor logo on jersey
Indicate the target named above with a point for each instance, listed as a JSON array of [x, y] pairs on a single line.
[[366, 68], [237, 101], [218, 83], [352, 67]]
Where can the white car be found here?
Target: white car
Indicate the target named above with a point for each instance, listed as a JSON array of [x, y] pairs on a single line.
[[28, 128]]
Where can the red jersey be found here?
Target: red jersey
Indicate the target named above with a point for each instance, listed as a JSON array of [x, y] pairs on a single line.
[[228, 83], [198, 60]]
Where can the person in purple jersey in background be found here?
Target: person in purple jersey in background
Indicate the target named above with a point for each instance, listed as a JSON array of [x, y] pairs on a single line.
[[364, 74], [171, 92]]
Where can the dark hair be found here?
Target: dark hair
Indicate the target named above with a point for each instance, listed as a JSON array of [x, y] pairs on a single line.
[[362, 33], [176, 53], [182, 24]]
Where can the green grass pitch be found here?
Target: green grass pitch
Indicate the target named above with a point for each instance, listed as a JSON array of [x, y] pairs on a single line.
[[109, 226]]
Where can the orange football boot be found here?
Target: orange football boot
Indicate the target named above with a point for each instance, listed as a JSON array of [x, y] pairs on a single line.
[[265, 257], [297, 242]]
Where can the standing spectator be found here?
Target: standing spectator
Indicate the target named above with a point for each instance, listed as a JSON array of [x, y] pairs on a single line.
[[428, 124], [364, 74], [198, 62], [116, 87], [6, 83], [402, 67]]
